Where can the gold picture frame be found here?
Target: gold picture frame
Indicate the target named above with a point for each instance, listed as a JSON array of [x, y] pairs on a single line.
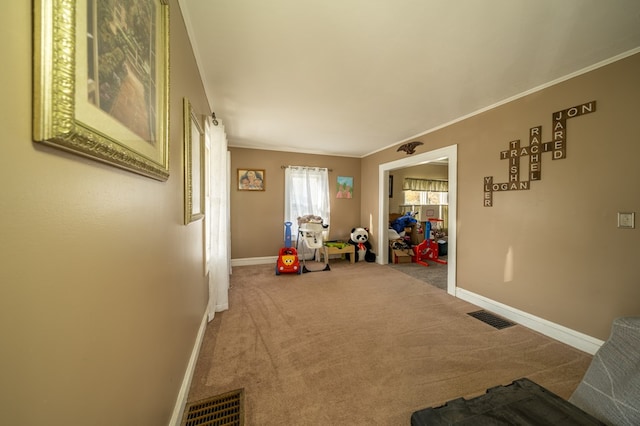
[[194, 207], [101, 82], [251, 179]]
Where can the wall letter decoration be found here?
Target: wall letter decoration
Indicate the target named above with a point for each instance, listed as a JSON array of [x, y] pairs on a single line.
[[557, 147]]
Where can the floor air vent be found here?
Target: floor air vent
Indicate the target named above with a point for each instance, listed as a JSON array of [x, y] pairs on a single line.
[[491, 319], [222, 410]]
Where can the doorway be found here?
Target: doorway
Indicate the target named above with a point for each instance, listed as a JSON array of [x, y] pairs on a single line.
[[451, 154]]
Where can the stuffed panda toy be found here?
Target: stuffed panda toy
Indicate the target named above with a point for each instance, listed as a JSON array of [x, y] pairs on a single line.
[[360, 239]]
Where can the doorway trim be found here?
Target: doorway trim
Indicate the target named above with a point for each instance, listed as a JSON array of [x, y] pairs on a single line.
[[449, 152]]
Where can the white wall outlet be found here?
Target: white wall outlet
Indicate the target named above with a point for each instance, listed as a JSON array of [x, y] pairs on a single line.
[[626, 220]]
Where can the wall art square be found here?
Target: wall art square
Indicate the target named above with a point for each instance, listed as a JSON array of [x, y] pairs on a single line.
[[251, 179], [344, 187]]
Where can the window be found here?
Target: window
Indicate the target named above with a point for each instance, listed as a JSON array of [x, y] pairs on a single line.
[[306, 191], [425, 197], [425, 191]]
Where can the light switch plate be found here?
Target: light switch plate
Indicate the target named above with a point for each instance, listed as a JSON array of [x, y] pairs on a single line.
[[626, 220]]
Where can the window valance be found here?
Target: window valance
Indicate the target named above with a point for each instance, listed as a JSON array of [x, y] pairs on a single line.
[[413, 184]]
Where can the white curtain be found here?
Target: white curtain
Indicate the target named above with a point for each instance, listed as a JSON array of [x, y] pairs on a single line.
[[218, 216], [306, 191]]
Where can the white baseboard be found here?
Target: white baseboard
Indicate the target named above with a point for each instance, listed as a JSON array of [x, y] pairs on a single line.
[[558, 332], [254, 261], [181, 402]]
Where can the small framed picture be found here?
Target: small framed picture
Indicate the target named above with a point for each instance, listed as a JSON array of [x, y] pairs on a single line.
[[345, 187], [251, 179]]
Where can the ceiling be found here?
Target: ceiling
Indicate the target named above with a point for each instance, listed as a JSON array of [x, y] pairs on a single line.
[[352, 77]]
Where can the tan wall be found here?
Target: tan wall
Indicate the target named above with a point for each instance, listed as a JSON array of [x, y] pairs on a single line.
[[101, 285], [553, 251], [257, 217]]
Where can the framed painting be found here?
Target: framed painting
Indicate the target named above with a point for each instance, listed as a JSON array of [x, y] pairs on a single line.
[[193, 165], [101, 81], [251, 179], [344, 187]]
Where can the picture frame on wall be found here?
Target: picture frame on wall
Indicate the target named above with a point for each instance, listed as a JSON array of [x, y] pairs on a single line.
[[251, 179], [344, 187], [194, 206], [101, 82]]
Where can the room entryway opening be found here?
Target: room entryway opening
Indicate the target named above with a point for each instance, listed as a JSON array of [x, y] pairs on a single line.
[[450, 154]]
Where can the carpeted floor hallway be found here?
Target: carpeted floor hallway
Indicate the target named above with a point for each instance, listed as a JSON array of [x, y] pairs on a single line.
[[434, 274], [362, 344]]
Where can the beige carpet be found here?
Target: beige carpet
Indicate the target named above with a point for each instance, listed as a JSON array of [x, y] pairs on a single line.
[[362, 344], [434, 274]]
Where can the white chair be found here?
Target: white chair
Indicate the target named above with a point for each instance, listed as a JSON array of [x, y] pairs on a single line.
[[311, 235]]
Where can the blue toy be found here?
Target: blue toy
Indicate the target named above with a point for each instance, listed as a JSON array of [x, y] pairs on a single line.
[[403, 222], [287, 234]]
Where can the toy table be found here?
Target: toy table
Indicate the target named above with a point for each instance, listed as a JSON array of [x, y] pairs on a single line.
[[340, 249]]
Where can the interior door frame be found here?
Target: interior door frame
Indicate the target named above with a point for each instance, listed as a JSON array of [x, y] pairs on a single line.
[[449, 152]]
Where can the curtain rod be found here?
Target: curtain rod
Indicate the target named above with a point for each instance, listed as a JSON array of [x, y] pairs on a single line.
[[306, 167]]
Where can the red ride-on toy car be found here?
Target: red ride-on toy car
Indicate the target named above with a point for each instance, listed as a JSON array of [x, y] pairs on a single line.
[[288, 262]]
